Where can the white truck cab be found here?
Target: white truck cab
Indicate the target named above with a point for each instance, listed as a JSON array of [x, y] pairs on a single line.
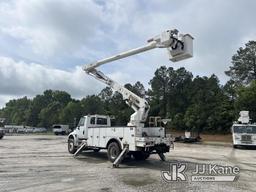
[[96, 133], [244, 135]]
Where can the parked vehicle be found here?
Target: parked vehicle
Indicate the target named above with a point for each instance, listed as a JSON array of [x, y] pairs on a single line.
[[39, 130], [188, 137], [243, 132], [59, 129]]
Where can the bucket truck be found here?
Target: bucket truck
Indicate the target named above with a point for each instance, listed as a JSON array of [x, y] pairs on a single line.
[[94, 132], [243, 131]]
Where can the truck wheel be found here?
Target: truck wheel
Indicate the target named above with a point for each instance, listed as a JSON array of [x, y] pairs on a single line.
[[1, 136], [235, 146], [113, 151], [140, 155], [71, 146]]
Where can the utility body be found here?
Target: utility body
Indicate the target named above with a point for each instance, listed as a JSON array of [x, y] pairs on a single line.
[[94, 132]]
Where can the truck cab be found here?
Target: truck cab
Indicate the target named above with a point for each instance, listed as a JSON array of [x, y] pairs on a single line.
[[244, 135], [88, 122]]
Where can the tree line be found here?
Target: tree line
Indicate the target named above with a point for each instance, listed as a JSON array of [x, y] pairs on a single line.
[[192, 103]]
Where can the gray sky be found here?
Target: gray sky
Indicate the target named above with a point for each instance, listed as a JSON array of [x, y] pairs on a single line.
[[45, 43]]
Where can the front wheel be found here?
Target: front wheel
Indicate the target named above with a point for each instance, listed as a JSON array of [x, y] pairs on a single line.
[[113, 151], [71, 146]]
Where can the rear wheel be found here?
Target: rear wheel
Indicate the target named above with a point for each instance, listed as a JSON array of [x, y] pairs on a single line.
[[113, 151], [235, 146], [71, 146]]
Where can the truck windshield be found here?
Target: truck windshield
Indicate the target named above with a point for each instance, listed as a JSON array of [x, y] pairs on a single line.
[[81, 122], [244, 129]]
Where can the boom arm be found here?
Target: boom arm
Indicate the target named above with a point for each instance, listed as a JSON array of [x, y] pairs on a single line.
[[138, 104], [179, 47]]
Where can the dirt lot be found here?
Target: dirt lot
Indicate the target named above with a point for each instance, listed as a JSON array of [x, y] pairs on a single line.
[[41, 163]]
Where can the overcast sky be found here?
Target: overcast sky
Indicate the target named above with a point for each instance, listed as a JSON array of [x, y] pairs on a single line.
[[44, 43]]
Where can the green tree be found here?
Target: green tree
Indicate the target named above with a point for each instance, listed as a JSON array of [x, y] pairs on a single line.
[[50, 115], [169, 94], [159, 92], [92, 105], [16, 111], [243, 69], [247, 100], [71, 113], [210, 109]]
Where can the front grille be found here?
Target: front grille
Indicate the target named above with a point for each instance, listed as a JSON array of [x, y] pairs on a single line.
[[246, 138]]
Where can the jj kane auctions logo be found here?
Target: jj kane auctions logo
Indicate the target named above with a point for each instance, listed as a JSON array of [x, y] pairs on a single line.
[[202, 172]]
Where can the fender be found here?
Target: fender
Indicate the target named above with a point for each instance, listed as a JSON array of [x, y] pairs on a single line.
[[117, 140], [73, 136]]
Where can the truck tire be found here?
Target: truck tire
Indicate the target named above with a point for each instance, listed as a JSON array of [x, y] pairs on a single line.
[[113, 151], [1, 136], [71, 146], [140, 155], [235, 146]]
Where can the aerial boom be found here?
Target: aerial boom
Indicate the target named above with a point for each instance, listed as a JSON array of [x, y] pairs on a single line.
[[179, 47]]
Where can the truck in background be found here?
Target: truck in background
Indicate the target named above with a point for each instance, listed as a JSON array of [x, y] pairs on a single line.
[[243, 131], [60, 129]]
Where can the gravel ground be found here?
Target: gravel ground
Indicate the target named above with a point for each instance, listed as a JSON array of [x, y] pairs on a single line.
[[41, 163]]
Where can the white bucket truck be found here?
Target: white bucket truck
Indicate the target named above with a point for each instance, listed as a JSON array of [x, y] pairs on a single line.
[[94, 132]]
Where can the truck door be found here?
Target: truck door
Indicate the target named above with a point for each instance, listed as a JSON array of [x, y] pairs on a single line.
[[81, 128]]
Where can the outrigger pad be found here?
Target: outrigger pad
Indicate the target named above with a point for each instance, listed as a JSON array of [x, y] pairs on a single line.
[[79, 150], [162, 156], [120, 157]]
